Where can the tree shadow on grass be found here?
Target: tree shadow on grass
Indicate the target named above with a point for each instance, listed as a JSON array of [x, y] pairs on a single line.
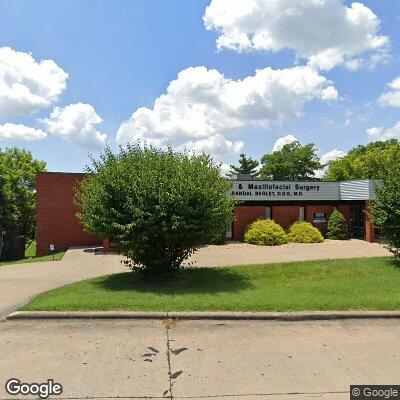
[[395, 262], [188, 281]]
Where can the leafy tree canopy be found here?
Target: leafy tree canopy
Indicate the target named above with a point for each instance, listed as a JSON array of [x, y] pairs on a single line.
[[18, 171], [293, 162], [247, 166], [157, 206], [386, 207], [369, 161]]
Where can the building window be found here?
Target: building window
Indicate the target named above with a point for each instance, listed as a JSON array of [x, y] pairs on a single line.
[[268, 212], [302, 215]]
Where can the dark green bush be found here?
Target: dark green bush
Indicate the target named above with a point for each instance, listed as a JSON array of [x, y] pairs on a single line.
[[265, 232], [157, 206], [337, 227], [304, 232]]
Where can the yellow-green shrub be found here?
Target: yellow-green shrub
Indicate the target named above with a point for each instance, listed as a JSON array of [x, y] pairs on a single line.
[[304, 232], [265, 232]]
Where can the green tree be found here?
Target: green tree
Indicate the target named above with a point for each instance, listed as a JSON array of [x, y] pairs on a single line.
[[386, 207], [293, 162], [247, 166], [157, 206], [18, 171], [369, 161], [337, 227]]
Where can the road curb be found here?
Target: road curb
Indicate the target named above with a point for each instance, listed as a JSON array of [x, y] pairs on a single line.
[[267, 316]]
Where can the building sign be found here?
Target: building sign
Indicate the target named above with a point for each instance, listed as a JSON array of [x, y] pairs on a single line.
[[319, 217], [276, 190]]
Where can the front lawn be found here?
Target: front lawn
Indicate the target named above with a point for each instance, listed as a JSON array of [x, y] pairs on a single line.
[[30, 256], [348, 284]]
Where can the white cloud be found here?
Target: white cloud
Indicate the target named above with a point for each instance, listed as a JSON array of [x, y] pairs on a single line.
[[282, 141], [326, 158], [27, 85], [331, 156], [329, 93], [202, 105], [391, 98], [224, 169], [76, 123], [214, 145], [20, 132], [325, 32], [379, 133]]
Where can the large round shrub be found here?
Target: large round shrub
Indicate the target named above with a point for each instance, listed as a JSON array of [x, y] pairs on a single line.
[[265, 232], [157, 206], [337, 227], [304, 232]]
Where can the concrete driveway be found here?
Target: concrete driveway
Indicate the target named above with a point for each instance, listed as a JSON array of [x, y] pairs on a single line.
[[20, 282], [200, 359]]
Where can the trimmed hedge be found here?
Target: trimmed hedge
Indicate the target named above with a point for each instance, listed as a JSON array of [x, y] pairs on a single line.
[[265, 232], [337, 227], [304, 232]]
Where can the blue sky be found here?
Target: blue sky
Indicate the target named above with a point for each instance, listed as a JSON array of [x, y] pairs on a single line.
[[122, 55]]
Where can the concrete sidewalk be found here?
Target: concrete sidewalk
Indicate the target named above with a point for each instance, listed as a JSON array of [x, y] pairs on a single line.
[[20, 282], [198, 359]]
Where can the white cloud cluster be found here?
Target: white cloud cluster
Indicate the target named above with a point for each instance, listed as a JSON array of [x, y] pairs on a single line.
[[326, 158], [278, 145], [380, 133], [331, 156], [76, 123], [215, 145], [201, 106], [325, 32], [26, 85], [20, 132], [392, 97]]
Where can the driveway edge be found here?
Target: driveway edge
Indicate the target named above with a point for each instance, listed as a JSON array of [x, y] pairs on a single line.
[[267, 316]]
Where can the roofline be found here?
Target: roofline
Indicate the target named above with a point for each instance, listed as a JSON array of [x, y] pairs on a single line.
[[61, 173]]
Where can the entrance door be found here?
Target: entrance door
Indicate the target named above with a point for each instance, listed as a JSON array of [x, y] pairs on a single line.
[[357, 220]]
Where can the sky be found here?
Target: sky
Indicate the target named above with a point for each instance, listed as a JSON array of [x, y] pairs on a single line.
[[220, 76]]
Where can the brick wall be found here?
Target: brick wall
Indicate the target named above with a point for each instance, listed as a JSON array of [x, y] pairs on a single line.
[[318, 208], [55, 213], [285, 215], [369, 226], [345, 210], [243, 216]]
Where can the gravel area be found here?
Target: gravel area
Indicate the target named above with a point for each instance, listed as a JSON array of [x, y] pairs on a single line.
[[237, 253]]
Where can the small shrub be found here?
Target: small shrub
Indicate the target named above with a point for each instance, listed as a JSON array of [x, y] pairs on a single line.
[[337, 227], [304, 232], [265, 232]]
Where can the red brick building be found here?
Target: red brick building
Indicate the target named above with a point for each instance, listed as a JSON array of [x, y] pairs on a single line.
[[56, 222], [285, 202]]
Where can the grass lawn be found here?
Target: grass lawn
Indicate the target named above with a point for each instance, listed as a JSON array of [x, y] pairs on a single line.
[[30, 256], [347, 284]]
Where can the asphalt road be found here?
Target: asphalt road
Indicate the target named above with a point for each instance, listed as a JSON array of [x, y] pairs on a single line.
[[105, 359]]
